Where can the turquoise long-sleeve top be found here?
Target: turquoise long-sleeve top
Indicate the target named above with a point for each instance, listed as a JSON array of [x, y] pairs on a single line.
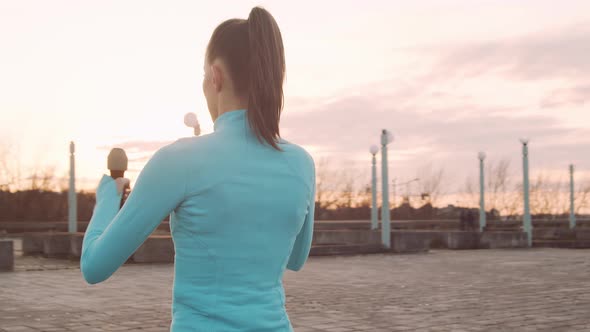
[[241, 212]]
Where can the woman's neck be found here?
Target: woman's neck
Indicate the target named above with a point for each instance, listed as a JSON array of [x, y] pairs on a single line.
[[231, 104]]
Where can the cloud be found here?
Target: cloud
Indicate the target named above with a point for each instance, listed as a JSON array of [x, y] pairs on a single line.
[[562, 54], [447, 137], [137, 146], [574, 96]]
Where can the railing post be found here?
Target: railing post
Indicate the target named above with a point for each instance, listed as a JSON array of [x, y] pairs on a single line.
[[572, 199], [527, 223]]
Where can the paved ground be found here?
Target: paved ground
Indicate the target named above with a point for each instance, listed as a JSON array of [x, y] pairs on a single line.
[[484, 290]]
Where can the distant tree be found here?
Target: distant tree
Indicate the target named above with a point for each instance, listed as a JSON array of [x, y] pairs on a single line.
[[497, 184], [365, 196], [10, 168], [582, 197], [346, 190], [326, 184], [430, 184], [43, 179], [470, 197]]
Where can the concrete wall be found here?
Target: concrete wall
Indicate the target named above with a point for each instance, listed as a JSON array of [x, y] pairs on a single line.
[[503, 240]]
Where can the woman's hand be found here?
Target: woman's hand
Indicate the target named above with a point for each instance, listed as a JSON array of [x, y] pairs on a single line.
[[122, 183], [108, 192]]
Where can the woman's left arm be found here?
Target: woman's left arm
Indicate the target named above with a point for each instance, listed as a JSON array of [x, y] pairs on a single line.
[[113, 235]]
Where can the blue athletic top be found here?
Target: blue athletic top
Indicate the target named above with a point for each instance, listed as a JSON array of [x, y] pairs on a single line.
[[240, 213]]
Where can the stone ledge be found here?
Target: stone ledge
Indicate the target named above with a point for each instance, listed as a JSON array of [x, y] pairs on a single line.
[[156, 249], [56, 245], [462, 240], [76, 240], [345, 249], [6, 255], [359, 236], [503, 240], [33, 242], [409, 241]]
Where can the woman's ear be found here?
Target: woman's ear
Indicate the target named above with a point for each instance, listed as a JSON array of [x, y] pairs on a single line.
[[217, 78]]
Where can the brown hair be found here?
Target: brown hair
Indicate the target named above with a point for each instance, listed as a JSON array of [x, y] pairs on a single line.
[[253, 51]]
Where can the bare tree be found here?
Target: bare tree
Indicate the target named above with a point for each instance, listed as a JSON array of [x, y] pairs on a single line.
[[365, 196], [547, 196], [345, 188], [512, 201], [497, 184], [63, 182], [582, 197], [42, 179], [501, 193], [431, 182], [10, 168], [326, 183], [471, 192]]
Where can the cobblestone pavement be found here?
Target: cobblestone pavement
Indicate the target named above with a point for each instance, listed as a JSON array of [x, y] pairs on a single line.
[[476, 290]]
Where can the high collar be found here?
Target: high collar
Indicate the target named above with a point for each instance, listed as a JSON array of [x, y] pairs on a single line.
[[235, 118]]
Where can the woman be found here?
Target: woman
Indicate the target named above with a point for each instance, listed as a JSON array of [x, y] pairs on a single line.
[[241, 199]]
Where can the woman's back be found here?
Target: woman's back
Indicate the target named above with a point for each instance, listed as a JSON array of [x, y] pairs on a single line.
[[233, 233], [241, 212]]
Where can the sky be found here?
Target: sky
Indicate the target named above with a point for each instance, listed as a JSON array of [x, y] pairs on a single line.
[[447, 78]]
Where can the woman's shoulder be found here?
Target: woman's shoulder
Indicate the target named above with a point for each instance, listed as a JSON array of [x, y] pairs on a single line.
[[298, 150], [185, 144], [286, 143], [182, 150]]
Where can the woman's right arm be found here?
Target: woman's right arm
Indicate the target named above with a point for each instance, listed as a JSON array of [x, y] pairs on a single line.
[[303, 241]]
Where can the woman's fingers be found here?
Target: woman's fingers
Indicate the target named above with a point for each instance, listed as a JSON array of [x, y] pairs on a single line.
[[122, 183]]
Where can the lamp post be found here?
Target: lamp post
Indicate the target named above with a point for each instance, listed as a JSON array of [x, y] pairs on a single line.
[[482, 207], [72, 201], [386, 138], [527, 223], [374, 213], [572, 205]]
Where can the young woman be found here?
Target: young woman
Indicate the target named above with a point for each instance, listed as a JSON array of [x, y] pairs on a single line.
[[241, 199]]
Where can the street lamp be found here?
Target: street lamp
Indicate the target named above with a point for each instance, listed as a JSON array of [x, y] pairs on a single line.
[[386, 138], [482, 208], [527, 223], [374, 217]]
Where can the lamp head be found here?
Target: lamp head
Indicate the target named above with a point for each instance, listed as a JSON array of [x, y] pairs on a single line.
[[389, 136], [190, 120], [386, 137], [374, 149], [524, 141], [481, 155]]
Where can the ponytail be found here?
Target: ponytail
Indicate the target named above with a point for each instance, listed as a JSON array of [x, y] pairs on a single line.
[[267, 73], [253, 51]]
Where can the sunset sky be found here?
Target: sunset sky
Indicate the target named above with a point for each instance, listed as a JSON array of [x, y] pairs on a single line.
[[448, 78]]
